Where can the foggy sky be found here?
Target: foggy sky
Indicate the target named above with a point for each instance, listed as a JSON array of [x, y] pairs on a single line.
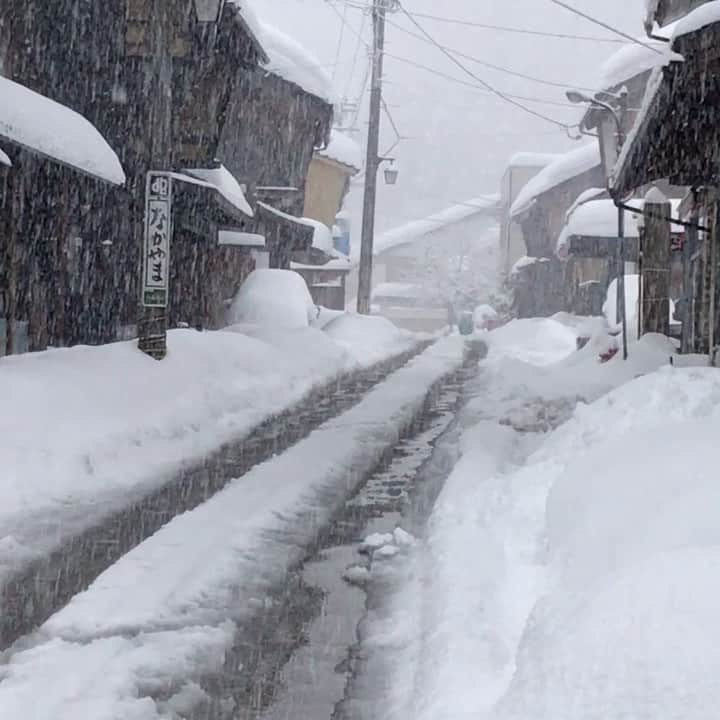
[[460, 137]]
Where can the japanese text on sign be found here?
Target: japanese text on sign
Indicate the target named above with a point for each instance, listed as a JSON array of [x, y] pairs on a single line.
[[158, 231]]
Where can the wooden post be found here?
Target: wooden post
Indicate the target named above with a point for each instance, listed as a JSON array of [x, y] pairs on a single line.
[[689, 256], [152, 327], [655, 307]]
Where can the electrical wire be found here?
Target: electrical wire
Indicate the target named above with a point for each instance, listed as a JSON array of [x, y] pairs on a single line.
[[602, 24], [476, 86], [484, 83], [489, 65], [341, 36], [505, 28]]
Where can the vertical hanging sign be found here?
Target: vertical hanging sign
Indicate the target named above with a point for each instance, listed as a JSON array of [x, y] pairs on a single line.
[[158, 232]]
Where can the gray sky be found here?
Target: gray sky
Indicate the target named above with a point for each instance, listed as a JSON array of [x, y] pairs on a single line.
[[460, 138]]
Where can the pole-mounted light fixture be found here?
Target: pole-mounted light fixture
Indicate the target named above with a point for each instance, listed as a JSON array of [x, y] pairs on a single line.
[[209, 11], [391, 173]]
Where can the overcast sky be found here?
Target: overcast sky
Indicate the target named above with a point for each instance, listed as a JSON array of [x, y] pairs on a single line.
[[459, 137]]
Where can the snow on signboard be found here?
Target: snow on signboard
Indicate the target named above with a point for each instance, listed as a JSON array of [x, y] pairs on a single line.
[[226, 184], [564, 168], [343, 149], [48, 128]]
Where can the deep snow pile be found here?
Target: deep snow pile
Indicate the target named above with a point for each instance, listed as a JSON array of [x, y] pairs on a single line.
[[162, 618], [90, 426], [273, 298], [551, 583]]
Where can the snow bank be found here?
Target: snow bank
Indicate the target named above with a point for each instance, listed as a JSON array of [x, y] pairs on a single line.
[[369, 337], [176, 598], [55, 131], [343, 149], [274, 299], [564, 168], [88, 429], [632, 298]]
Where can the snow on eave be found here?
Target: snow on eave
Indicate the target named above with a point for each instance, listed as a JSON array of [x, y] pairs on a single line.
[[697, 19], [561, 170], [633, 60], [531, 160], [342, 149], [52, 130], [526, 261], [4, 159], [322, 235], [292, 62], [419, 229], [226, 184], [248, 19]]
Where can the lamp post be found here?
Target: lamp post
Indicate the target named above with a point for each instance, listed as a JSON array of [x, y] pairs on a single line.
[[600, 101], [391, 173]]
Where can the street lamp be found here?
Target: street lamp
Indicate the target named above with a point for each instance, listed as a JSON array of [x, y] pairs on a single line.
[[391, 173], [578, 98], [209, 11]]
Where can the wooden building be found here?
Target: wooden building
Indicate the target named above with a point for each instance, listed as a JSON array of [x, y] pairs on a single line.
[[676, 137], [169, 93]]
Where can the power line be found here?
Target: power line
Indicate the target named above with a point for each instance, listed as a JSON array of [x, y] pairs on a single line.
[[507, 28], [489, 65], [602, 24], [485, 84], [475, 86], [358, 45], [341, 36]]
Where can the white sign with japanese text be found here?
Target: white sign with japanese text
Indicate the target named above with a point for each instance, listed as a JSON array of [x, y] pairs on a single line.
[[158, 233]]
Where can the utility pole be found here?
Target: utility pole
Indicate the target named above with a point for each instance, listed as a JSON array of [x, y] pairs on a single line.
[[373, 159]]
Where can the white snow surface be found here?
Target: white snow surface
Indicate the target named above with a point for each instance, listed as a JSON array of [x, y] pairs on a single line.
[[164, 614], [599, 218], [277, 299], [322, 234], [563, 168], [419, 229], [89, 429], [632, 60], [294, 63], [343, 149], [525, 261], [42, 125], [568, 574], [632, 298], [227, 186], [4, 159], [532, 159], [700, 17]]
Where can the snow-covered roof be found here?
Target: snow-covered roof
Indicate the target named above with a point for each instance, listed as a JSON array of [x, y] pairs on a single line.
[[396, 289], [224, 181], [531, 159], [48, 128], [291, 61], [632, 60], [700, 17], [418, 229], [249, 18], [322, 235], [583, 197], [526, 261], [563, 168], [240, 239], [340, 263], [599, 219], [343, 149], [4, 159]]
